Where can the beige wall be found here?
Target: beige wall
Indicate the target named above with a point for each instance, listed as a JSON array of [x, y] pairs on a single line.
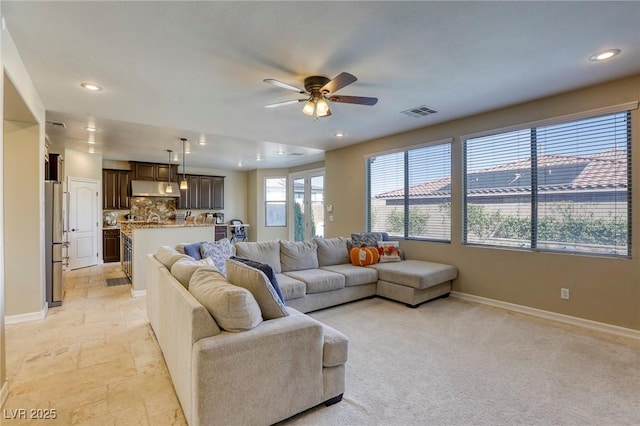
[[83, 165], [602, 289], [24, 292]]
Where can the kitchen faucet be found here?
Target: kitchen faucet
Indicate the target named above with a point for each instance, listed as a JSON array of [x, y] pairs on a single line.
[[153, 215]]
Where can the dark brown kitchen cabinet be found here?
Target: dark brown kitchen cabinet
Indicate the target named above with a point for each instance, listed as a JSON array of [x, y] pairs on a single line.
[[111, 245], [220, 232], [116, 189], [217, 192], [154, 171], [204, 192]]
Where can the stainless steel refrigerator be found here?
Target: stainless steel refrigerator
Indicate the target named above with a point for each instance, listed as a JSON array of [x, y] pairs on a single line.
[[55, 244]]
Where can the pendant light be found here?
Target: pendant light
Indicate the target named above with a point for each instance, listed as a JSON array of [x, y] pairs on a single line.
[[169, 189], [183, 182]]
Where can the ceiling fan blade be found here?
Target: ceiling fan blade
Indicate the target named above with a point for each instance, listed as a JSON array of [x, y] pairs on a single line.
[[279, 104], [283, 85], [360, 100], [343, 79]]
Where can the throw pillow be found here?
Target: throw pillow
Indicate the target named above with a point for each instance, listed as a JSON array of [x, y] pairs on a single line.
[[332, 251], [193, 250], [388, 251], [234, 308], [264, 252], [268, 271], [183, 269], [298, 255], [219, 251], [259, 285], [369, 238], [168, 256]]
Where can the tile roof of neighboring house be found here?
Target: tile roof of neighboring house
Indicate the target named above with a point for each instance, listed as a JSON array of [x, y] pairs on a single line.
[[605, 170]]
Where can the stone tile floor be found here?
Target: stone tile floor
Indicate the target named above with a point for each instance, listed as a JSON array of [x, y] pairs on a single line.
[[94, 360]]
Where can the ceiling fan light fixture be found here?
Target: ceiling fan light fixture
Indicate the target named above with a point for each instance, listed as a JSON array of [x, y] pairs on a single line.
[[309, 107], [322, 107]]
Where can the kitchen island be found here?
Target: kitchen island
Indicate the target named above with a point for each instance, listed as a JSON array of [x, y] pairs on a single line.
[[144, 238]]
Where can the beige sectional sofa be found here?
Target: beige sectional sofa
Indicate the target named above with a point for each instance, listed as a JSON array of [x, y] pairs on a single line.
[[318, 274], [276, 367]]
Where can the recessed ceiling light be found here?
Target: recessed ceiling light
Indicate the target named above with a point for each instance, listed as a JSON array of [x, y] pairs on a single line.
[[91, 129], [91, 86], [239, 163], [91, 141], [280, 152], [92, 151], [258, 158], [604, 54], [202, 142], [338, 134]]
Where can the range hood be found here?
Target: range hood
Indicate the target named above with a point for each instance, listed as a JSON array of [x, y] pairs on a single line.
[[148, 188]]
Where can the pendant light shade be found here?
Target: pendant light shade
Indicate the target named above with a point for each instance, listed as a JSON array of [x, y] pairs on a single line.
[[183, 182], [169, 189]]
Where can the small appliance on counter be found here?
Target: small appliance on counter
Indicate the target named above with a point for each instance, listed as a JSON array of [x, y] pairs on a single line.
[[110, 219], [219, 218]]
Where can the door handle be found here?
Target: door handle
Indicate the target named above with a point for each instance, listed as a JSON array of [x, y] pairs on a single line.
[[74, 229]]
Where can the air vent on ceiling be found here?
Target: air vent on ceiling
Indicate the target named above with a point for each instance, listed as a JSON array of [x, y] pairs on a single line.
[[57, 124], [296, 153], [418, 112]]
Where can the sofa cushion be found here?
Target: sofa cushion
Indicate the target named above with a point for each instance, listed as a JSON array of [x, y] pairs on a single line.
[[318, 280], [219, 251], [335, 347], [291, 288], [168, 256], [415, 273], [234, 308], [193, 250], [183, 269], [264, 252], [268, 271], [332, 251], [354, 275], [298, 255], [259, 285], [389, 251]]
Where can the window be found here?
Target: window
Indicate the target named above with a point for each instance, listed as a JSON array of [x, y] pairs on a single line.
[[276, 201], [409, 193], [561, 187]]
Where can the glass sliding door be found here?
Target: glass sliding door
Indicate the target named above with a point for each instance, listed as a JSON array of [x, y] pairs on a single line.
[[307, 190]]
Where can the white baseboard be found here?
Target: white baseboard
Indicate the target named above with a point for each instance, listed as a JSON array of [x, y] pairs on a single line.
[[4, 393], [31, 316], [138, 293], [566, 319]]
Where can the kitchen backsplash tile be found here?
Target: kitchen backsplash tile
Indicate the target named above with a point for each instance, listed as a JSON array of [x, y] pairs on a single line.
[[143, 207]]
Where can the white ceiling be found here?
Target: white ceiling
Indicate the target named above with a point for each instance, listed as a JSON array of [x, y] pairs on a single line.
[[195, 69]]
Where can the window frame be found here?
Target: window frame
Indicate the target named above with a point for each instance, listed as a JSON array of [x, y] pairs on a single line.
[[532, 126], [406, 204], [268, 202]]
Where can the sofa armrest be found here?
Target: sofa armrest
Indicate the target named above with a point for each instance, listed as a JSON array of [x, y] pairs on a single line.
[[260, 376]]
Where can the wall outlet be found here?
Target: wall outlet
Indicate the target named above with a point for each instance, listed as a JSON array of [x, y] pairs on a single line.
[[564, 293]]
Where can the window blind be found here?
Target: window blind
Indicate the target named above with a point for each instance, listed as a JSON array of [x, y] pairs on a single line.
[[409, 193], [562, 187]]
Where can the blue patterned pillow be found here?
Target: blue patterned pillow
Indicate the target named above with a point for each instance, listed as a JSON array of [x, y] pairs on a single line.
[[268, 271], [368, 238], [218, 251]]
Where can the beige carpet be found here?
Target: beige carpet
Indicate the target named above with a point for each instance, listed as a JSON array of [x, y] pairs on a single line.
[[455, 363]]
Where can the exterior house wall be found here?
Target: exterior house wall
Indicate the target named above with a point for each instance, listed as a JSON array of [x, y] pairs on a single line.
[[603, 289]]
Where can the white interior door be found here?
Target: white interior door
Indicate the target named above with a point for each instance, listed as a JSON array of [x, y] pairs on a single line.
[[83, 223], [307, 195]]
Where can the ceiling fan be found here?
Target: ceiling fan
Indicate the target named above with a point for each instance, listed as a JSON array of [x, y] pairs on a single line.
[[319, 90]]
